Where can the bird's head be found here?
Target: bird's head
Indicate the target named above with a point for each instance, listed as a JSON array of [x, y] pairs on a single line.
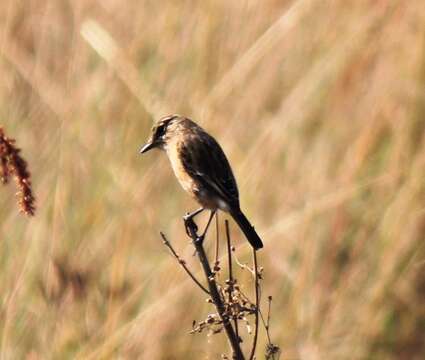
[[158, 137]]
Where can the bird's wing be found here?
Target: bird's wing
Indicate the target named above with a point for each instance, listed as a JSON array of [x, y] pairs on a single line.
[[205, 161]]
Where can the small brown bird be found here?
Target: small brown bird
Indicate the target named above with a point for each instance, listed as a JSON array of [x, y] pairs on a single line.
[[202, 169]]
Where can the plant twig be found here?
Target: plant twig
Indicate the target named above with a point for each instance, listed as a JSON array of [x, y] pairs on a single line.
[[272, 350], [217, 240], [215, 295], [231, 281], [182, 263], [257, 304], [268, 317], [242, 266]]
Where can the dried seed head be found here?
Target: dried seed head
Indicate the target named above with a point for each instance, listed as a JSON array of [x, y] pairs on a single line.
[[12, 163]]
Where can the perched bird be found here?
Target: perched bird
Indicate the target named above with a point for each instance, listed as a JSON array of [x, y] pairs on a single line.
[[202, 169]]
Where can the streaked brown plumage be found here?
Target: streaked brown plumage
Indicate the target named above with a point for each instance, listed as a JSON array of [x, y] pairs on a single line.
[[201, 167]]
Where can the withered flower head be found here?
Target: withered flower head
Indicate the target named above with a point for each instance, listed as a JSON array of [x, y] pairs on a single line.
[[12, 163]]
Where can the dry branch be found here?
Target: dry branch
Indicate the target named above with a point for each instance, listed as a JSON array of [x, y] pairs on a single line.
[[232, 305], [214, 292]]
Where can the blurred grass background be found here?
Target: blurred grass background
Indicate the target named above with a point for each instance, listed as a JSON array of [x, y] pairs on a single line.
[[320, 107]]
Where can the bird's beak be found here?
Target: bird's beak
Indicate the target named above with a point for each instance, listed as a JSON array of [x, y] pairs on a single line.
[[147, 147]]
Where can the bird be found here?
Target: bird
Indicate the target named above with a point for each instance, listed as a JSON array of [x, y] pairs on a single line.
[[202, 169]]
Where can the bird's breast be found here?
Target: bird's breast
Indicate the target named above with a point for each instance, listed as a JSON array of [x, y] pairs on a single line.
[[188, 183], [185, 180]]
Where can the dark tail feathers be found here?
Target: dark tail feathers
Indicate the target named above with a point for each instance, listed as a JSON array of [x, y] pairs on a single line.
[[247, 229]]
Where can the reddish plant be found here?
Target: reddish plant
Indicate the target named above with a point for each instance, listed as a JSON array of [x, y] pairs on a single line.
[[12, 164]]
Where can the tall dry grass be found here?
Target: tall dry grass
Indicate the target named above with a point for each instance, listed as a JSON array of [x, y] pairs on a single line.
[[320, 107]]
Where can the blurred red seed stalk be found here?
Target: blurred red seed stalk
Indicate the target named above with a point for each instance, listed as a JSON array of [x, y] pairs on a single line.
[[12, 163]]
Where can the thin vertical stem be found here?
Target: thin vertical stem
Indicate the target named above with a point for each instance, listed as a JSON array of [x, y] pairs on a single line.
[[217, 239], [231, 284], [268, 319], [257, 304], [229, 250]]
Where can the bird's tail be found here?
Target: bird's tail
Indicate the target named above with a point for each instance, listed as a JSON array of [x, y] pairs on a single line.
[[247, 229]]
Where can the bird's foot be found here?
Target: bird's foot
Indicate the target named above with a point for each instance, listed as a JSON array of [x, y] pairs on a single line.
[[187, 216], [191, 215], [190, 226]]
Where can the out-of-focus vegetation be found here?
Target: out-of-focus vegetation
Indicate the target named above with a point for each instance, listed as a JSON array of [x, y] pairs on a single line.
[[320, 106]]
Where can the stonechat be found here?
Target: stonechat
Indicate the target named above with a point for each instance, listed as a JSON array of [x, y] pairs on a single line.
[[202, 169]]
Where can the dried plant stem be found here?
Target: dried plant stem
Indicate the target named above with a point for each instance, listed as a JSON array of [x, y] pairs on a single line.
[[231, 285], [268, 318], [215, 295], [229, 250], [257, 304], [217, 239], [182, 263]]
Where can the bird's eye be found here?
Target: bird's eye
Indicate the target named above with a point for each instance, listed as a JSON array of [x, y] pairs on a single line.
[[160, 131]]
